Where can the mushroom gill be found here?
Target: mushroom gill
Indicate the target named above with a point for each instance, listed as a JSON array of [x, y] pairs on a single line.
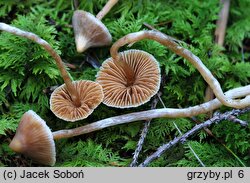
[[130, 81], [90, 96]]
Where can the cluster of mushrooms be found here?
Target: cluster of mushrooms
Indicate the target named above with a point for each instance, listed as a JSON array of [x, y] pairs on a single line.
[[126, 82], [127, 79]]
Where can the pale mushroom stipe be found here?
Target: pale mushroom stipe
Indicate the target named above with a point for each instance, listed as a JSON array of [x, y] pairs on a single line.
[[24, 130], [25, 127], [179, 50], [73, 104], [89, 31]]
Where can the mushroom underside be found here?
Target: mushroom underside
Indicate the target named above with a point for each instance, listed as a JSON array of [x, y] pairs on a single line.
[[123, 91], [90, 96]]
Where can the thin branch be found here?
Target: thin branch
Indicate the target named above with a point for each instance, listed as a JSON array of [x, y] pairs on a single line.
[[179, 50], [208, 131], [71, 66], [143, 134], [180, 132], [106, 9], [216, 119], [149, 26], [236, 120], [148, 122], [75, 4]]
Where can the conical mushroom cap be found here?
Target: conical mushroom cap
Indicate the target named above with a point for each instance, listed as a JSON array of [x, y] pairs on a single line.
[[34, 139], [90, 95], [89, 31], [118, 90]]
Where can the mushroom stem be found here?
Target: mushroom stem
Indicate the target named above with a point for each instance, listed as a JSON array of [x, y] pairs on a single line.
[[150, 114], [42, 135], [106, 9], [70, 87], [179, 50]]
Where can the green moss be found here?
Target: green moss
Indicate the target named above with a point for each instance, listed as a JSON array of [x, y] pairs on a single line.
[[26, 70]]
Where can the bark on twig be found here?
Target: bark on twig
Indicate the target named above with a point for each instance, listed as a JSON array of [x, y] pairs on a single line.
[[148, 122], [208, 131], [189, 146], [143, 134], [76, 4], [216, 119]]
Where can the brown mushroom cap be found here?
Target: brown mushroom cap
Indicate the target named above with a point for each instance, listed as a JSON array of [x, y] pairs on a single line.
[[34, 139], [90, 95], [89, 31], [121, 92]]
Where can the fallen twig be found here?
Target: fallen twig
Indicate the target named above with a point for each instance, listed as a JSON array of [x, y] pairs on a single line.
[[221, 23], [147, 123], [216, 119], [143, 135], [208, 131], [189, 146]]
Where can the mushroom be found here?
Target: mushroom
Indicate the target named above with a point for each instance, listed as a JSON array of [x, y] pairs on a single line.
[[72, 100], [173, 45], [90, 94], [130, 82], [34, 139], [26, 127], [89, 31]]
